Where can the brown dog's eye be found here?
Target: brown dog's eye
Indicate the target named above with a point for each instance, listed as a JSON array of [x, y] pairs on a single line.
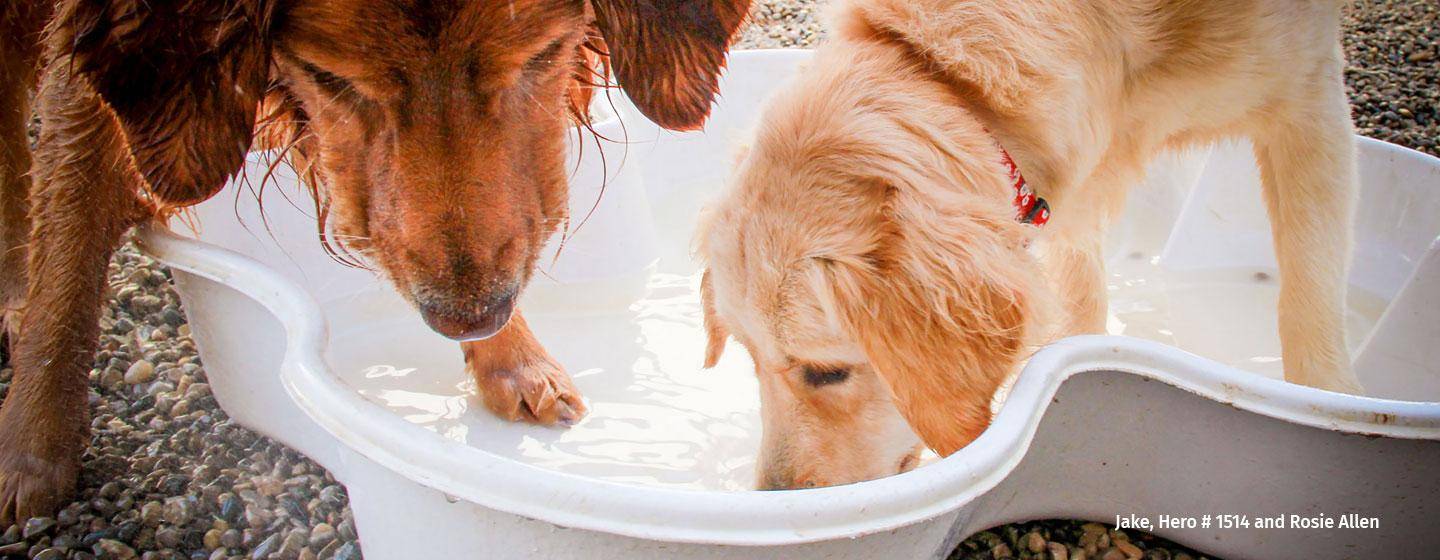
[[332, 84], [820, 376], [547, 57]]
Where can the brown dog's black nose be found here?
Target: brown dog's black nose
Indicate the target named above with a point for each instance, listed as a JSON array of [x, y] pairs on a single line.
[[470, 318]]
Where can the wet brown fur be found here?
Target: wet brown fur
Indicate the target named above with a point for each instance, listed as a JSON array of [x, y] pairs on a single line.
[[434, 150]]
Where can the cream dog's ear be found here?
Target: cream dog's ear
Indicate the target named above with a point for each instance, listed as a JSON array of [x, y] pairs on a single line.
[[940, 308], [715, 333]]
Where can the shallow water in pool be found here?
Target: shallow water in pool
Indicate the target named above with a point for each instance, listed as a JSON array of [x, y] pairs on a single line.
[[657, 418], [1227, 315]]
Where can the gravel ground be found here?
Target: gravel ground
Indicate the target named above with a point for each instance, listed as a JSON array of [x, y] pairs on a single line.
[[1394, 72], [167, 475]]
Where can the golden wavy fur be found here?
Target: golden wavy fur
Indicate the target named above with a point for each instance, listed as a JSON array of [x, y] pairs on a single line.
[[868, 255]]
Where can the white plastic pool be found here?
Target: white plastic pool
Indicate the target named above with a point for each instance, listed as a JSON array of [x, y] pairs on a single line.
[[331, 362]]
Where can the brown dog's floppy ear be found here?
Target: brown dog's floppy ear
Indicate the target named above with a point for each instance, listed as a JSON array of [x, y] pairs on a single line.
[[715, 333], [940, 310], [183, 77], [668, 54]]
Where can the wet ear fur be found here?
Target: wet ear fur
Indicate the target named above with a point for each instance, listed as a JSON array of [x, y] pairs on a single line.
[[184, 79], [715, 333], [942, 310], [668, 54]]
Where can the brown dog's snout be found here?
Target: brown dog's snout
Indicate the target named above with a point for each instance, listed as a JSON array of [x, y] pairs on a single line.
[[462, 269], [467, 318]]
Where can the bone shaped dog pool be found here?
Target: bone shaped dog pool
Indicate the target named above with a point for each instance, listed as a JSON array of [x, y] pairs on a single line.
[[331, 362]]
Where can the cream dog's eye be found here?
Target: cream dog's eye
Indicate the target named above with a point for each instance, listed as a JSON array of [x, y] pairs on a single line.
[[820, 376]]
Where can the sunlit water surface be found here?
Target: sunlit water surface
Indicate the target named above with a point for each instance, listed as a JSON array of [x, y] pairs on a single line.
[[657, 418]]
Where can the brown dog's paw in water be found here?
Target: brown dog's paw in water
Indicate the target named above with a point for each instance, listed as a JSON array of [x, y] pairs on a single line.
[[519, 380]]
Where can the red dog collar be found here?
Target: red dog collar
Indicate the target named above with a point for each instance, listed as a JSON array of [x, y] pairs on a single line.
[[1029, 209]]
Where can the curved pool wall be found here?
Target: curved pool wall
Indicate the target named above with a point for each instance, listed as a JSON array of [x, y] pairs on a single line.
[[1094, 427]]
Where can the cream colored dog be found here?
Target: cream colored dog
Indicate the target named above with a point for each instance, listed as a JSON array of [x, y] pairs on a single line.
[[869, 255]]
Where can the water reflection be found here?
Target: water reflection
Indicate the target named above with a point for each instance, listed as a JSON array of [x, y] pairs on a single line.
[[1225, 314], [655, 417]]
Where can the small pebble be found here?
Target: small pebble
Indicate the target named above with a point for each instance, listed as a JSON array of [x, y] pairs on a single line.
[[110, 490], [347, 530], [230, 507], [1034, 542], [49, 554], [145, 303], [197, 390], [127, 531], [267, 546], [108, 549], [321, 535], [151, 513], [257, 517], [294, 541], [348, 551], [36, 526], [177, 511], [168, 537], [269, 486]]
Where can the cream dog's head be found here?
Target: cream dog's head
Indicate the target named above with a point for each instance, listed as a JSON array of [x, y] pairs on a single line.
[[868, 258]]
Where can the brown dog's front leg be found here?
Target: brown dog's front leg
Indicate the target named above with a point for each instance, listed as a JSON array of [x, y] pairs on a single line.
[[15, 171], [519, 380], [85, 200]]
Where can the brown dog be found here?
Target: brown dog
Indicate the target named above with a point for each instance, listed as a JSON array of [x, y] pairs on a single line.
[[434, 130], [876, 255]]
